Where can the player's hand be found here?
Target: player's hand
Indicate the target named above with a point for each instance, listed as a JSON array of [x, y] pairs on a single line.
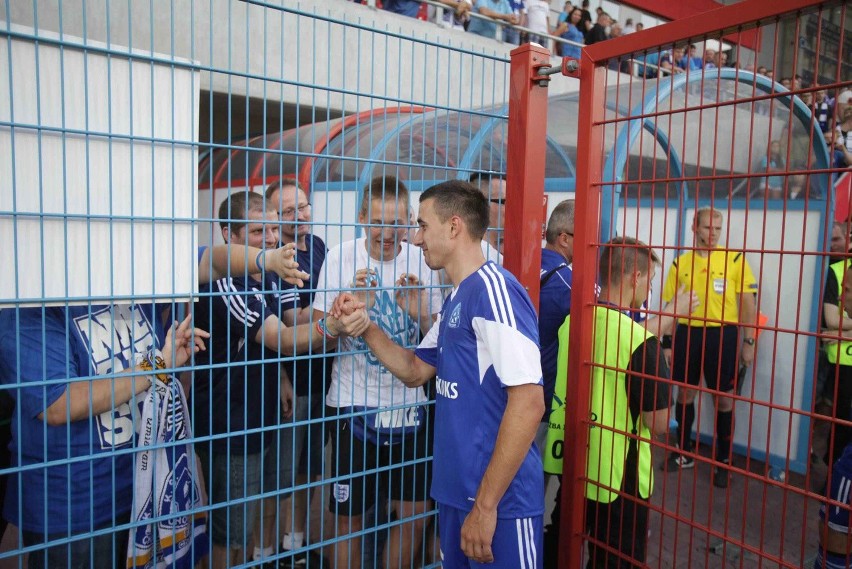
[[667, 353], [354, 324], [410, 296], [345, 304], [282, 261], [182, 340], [477, 532]]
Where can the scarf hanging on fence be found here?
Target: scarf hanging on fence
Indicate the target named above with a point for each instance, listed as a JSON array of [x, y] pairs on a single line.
[[164, 485]]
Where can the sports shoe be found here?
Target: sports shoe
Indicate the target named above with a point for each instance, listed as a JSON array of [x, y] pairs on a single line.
[[679, 462], [721, 476]]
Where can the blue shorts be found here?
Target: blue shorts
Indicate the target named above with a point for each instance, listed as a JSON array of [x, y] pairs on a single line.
[[517, 543]]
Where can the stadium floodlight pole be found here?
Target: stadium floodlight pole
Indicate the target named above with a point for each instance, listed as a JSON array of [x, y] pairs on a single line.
[[527, 144]]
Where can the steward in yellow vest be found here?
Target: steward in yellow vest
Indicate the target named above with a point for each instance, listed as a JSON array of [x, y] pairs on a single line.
[[626, 409], [839, 356]]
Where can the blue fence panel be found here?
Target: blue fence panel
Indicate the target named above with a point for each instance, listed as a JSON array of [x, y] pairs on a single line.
[[168, 397]]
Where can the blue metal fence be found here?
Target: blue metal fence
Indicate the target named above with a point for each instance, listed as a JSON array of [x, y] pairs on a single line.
[[123, 129]]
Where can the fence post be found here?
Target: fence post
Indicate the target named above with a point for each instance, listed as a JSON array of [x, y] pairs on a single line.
[[527, 139], [586, 236]]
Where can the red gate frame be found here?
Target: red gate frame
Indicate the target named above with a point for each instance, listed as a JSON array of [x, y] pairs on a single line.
[[527, 129]]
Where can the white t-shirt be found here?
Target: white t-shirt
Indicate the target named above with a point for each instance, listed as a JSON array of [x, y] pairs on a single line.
[[359, 379], [537, 16]]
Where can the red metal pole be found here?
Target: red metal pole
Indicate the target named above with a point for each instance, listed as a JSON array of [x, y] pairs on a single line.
[[586, 237], [525, 166]]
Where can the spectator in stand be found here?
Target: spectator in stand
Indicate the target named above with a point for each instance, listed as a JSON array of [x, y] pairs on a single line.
[[538, 20], [499, 10], [808, 100], [773, 162], [843, 100], [841, 157], [668, 61], [615, 31], [822, 110], [300, 448], [679, 59], [770, 74], [722, 59], [598, 31], [761, 70], [408, 8], [387, 430], [570, 31], [844, 128], [456, 13], [629, 28], [709, 61], [566, 11], [241, 312], [586, 20], [640, 26], [692, 61], [519, 9], [787, 83]]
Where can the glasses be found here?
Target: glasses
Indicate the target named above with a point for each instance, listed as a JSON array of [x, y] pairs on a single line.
[[290, 211], [568, 233], [498, 201]]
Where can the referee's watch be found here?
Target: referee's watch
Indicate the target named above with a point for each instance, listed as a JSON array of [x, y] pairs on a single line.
[[749, 341]]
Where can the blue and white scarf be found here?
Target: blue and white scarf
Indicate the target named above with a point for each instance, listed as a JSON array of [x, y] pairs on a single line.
[[165, 485]]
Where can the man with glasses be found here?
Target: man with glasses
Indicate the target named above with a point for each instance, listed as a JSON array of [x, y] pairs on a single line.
[[493, 187], [300, 448]]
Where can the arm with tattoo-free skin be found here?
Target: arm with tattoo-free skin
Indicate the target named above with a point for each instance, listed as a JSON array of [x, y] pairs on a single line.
[[221, 261]]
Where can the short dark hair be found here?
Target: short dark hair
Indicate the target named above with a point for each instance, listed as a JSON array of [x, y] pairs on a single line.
[[282, 182], [385, 188], [622, 256], [233, 212], [457, 197], [561, 220]]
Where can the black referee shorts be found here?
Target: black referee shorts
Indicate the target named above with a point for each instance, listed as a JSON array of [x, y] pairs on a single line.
[[712, 351]]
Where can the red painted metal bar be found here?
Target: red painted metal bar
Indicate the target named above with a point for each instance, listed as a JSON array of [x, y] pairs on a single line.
[[586, 237], [525, 165]]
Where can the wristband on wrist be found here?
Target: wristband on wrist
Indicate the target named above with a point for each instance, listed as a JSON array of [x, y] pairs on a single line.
[[259, 261], [322, 327]]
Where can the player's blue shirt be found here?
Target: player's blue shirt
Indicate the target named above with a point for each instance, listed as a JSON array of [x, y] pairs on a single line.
[[57, 346], [837, 516], [486, 339], [555, 305]]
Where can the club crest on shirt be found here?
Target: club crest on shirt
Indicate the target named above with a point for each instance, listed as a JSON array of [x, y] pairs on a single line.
[[455, 317]]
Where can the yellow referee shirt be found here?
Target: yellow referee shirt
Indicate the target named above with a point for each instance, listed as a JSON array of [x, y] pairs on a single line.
[[718, 280]]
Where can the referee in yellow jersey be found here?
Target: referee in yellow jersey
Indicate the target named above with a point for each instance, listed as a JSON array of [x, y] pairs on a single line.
[[708, 341]]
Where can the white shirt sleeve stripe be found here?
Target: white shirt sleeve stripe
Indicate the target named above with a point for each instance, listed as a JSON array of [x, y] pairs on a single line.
[[490, 296], [504, 294], [500, 294], [236, 305]]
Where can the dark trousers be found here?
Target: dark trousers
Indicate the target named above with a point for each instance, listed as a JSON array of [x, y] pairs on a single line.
[[106, 551], [841, 435]]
